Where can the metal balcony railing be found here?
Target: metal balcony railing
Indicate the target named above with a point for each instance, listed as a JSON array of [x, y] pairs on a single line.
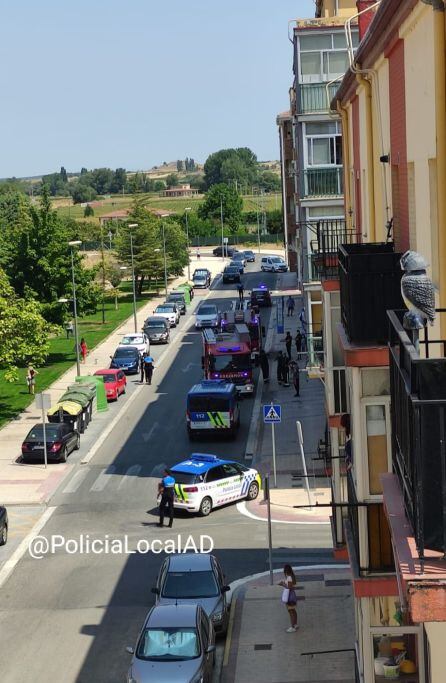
[[322, 182], [418, 413], [329, 235], [313, 97]]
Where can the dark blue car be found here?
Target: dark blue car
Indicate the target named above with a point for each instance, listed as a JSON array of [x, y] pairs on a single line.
[[126, 358]]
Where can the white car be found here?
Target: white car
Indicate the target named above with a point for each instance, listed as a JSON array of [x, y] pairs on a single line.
[[138, 339], [204, 482], [207, 316], [273, 264], [169, 312]]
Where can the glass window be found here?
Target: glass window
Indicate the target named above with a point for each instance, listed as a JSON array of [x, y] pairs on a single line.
[[376, 445], [375, 382], [394, 654], [325, 211], [187, 477], [310, 64], [319, 151], [231, 363], [168, 644], [186, 585], [337, 63], [316, 42], [321, 128], [202, 404], [230, 471], [214, 474], [339, 40], [355, 38]]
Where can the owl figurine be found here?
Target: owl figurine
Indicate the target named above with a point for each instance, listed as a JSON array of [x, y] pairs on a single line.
[[417, 291]]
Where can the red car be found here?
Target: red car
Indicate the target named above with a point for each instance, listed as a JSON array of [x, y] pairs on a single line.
[[115, 382]]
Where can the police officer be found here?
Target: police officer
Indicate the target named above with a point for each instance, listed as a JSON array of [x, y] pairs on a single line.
[[166, 490]]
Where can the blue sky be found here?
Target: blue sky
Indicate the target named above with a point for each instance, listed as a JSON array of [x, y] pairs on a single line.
[[136, 83]]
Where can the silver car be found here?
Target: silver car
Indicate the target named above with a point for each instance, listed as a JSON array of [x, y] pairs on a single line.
[[207, 316], [195, 578], [176, 645], [168, 311]]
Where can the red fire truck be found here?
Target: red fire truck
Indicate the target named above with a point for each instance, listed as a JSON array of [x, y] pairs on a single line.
[[227, 355], [248, 317]]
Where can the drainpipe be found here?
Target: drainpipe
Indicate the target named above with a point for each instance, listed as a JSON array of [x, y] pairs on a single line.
[[284, 194], [371, 236], [346, 164], [440, 87]]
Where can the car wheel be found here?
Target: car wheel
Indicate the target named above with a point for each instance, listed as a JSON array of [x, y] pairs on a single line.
[[262, 269], [4, 535], [77, 444], [205, 506], [253, 491], [63, 455], [123, 389]]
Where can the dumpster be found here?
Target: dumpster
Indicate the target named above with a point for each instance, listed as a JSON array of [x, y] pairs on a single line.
[[84, 402], [89, 390], [68, 412], [101, 396], [188, 291]]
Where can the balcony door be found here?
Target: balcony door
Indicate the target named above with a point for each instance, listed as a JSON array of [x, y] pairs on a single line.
[[376, 430]]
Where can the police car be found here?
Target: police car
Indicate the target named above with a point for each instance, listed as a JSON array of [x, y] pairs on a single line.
[[204, 482]]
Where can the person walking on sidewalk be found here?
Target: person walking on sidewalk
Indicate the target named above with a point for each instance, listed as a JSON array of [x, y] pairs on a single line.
[[241, 291], [288, 342], [264, 365], [148, 369], [286, 372], [295, 376], [31, 379], [280, 363], [298, 342], [290, 305], [166, 491], [83, 348], [141, 366], [289, 597]]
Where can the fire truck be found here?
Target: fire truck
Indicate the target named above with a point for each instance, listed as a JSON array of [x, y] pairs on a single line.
[[227, 355], [248, 317]]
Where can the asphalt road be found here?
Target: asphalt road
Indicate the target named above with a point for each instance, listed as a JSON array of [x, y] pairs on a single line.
[[68, 616]]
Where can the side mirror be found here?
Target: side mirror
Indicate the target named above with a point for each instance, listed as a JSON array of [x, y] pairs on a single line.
[[155, 590], [130, 650], [210, 649], [225, 589]]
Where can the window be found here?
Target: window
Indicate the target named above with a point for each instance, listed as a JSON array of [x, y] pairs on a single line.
[[214, 474], [324, 144], [375, 382], [323, 56], [395, 651], [377, 430], [166, 644], [187, 585], [230, 471]]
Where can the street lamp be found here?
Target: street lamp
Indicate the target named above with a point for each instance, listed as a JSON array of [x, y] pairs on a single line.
[[164, 215], [75, 243], [186, 210], [222, 231], [130, 226]]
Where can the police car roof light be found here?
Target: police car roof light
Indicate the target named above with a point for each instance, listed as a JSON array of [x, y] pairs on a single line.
[[204, 457]]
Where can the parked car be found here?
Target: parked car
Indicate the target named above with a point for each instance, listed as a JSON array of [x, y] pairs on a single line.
[[3, 525], [273, 264], [239, 265], [231, 274], [201, 277], [169, 312], [260, 296], [195, 578], [61, 440], [126, 358], [229, 251], [178, 299], [115, 382], [157, 329], [207, 316], [138, 339], [239, 256], [249, 255], [176, 645]]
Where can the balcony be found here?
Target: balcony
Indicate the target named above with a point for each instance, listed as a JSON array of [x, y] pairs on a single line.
[[322, 182], [418, 391], [370, 276], [313, 97], [330, 234]]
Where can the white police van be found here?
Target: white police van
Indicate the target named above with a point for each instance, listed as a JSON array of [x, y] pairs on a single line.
[[205, 481]]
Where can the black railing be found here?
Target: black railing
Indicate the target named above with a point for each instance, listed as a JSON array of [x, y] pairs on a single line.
[[370, 283], [329, 235], [418, 410]]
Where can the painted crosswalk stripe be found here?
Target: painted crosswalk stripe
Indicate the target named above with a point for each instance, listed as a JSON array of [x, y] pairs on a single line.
[[103, 478], [131, 474], [75, 481]]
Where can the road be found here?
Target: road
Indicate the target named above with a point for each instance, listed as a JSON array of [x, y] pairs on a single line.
[[68, 616]]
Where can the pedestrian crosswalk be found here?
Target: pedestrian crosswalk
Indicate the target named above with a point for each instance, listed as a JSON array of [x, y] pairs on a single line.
[[107, 479]]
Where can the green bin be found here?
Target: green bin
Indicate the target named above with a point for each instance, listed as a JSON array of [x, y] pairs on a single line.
[[89, 390], [187, 290], [101, 396]]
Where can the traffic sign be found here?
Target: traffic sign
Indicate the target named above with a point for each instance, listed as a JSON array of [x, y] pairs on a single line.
[[272, 414]]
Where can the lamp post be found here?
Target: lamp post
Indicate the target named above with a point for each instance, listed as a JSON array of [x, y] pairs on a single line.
[[164, 215], [186, 210], [222, 230], [131, 226], [75, 243]]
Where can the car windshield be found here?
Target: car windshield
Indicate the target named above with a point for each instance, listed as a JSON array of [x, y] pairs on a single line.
[[164, 309], [203, 404], [231, 362], [189, 584], [109, 378], [175, 297], [231, 269], [36, 434], [277, 259], [207, 310], [249, 253], [125, 353], [129, 341], [156, 327], [200, 273], [167, 644], [238, 257]]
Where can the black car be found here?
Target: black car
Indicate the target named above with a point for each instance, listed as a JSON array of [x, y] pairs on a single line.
[[201, 277], [239, 265], [3, 525], [260, 296], [61, 440], [126, 358], [229, 251], [178, 299], [249, 255], [231, 274], [157, 329]]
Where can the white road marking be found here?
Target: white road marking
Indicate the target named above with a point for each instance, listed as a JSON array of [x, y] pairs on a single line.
[[148, 435], [75, 481], [158, 470], [241, 507], [131, 473], [189, 366], [103, 478]]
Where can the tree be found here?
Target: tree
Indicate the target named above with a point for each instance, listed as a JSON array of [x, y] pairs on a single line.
[[101, 180], [88, 211], [119, 181], [172, 180], [230, 165], [180, 166], [82, 193], [83, 170], [24, 334], [55, 184], [218, 196], [63, 175], [269, 181]]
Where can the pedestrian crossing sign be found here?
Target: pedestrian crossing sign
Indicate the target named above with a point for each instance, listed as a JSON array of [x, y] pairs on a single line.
[[272, 414]]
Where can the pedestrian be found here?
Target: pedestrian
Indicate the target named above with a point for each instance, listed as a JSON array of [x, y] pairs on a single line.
[[69, 328], [141, 366], [241, 291], [280, 361], [148, 369], [264, 365], [289, 597], [298, 342], [295, 376], [198, 253], [285, 372], [288, 342], [290, 305], [31, 379], [83, 349], [166, 491]]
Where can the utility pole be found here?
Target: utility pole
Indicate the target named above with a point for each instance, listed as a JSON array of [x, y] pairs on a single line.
[[131, 226], [103, 275], [222, 230]]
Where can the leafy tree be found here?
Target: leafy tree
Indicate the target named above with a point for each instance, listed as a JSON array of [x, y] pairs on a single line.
[[88, 211], [179, 166], [63, 175], [56, 185], [83, 170], [159, 186], [101, 180], [269, 181], [119, 181], [228, 165], [199, 227], [172, 180], [82, 193], [218, 196]]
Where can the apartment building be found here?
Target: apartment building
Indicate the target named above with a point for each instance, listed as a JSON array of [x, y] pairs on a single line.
[[287, 165]]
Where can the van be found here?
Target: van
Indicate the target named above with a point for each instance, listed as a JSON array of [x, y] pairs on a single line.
[[273, 264], [212, 406]]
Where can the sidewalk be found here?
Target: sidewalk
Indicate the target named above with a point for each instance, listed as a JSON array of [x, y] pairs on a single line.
[[258, 647], [31, 484]]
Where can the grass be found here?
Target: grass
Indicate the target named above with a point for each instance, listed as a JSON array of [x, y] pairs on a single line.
[[14, 398]]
